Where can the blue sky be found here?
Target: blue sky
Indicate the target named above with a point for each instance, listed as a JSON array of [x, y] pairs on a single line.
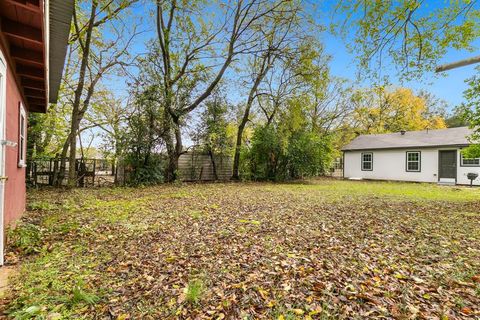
[[448, 86]]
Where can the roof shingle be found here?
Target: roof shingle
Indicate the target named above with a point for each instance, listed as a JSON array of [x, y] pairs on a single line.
[[425, 138]]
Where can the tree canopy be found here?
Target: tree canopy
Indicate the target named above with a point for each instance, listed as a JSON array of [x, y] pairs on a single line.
[[249, 80]]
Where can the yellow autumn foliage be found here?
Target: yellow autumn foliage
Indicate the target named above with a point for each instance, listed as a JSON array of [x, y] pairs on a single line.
[[397, 110]]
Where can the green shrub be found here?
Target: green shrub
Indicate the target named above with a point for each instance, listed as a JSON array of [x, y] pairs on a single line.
[[308, 154], [141, 172], [276, 155], [147, 175], [265, 155]]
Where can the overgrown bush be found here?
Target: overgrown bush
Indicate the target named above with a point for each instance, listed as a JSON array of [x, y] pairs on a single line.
[[142, 140], [308, 154], [265, 155], [276, 156], [141, 172]]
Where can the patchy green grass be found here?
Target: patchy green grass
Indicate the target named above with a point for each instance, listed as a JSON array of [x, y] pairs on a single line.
[[194, 290], [335, 189], [320, 249]]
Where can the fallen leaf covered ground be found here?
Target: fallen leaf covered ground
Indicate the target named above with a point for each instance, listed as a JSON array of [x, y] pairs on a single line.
[[320, 249]]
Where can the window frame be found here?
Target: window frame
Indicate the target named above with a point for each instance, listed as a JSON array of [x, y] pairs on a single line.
[[468, 165], [22, 136], [362, 161], [419, 161]]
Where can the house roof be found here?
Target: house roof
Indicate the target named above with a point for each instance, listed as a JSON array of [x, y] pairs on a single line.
[[34, 34], [412, 139]]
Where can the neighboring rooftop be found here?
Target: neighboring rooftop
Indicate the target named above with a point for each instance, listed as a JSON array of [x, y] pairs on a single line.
[[412, 139]]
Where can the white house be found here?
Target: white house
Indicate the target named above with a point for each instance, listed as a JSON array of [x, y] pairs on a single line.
[[421, 156]]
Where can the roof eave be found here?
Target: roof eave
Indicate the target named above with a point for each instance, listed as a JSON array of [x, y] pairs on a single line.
[[60, 17], [411, 147]]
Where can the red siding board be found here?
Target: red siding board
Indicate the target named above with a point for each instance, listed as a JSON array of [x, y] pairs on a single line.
[[15, 188]]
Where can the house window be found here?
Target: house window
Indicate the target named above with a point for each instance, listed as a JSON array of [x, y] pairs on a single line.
[[413, 161], [22, 133], [469, 162], [367, 161]]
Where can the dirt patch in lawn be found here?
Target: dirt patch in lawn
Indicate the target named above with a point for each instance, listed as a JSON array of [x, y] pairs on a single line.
[[5, 273], [250, 251]]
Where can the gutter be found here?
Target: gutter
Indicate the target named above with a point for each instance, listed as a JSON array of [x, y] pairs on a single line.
[[410, 147], [46, 31]]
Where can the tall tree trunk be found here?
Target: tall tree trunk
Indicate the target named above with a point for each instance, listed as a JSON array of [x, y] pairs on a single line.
[[178, 143], [72, 176], [238, 145], [264, 67], [170, 169], [214, 165], [60, 175], [76, 112], [174, 149]]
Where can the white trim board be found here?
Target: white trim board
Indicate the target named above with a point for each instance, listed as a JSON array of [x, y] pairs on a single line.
[[3, 107]]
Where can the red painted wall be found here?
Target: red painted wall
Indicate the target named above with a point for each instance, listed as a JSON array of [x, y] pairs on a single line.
[[15, 188]]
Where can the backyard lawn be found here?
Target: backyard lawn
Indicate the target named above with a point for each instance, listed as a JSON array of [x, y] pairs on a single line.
[[322, 249]]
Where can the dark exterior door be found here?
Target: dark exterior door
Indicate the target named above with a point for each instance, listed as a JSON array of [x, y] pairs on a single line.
[[447, 164]]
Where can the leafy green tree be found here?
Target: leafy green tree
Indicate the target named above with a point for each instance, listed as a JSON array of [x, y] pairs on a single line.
[[46, 133], [457, 118], [288, 148], [413, 34], [212, 131], [109, 116], [308, 154], [143, 139], [275, 73], [196, 46], [266, 154], [471, 113]]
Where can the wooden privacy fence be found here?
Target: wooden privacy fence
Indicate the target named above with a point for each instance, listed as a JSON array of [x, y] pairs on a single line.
[[196, 166], [192, 166], [89, 172]]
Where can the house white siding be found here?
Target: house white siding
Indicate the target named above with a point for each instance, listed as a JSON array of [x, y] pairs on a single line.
[[391, 164], [463, 171]]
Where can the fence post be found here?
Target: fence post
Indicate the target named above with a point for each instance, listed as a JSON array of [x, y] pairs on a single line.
[[55, 169], [94, 169], [80, 170], [34, 173]]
